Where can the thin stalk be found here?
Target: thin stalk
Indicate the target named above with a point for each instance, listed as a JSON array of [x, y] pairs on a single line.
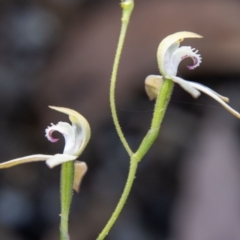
[[159, 112], [67, 174], [127, 7], [122, 200]]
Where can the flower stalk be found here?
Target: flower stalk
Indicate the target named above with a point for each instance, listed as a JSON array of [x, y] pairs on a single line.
[[122, 200], [159, 111], [158, 114], [127, 8], [67, 176]]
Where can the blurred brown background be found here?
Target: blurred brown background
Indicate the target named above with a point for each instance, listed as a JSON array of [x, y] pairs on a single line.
[[60, 52]]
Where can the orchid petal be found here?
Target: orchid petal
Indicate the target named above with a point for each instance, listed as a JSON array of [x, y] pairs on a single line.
[[58, 159], [166, 44], [153, 84], [186, 86], [219, 98], [80, 168], [81, 129], [198, 85], [27, 159]]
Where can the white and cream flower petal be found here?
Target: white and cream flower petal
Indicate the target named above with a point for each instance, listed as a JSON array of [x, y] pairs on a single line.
[[76, 138], [169, 56]]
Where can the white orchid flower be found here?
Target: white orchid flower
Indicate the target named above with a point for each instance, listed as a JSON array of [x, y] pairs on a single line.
[[76, 137], [169, 56]]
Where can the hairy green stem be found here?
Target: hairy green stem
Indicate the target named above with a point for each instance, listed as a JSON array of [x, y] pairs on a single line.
[[67, 174], [159, 112], [122, 200], [127, 7]]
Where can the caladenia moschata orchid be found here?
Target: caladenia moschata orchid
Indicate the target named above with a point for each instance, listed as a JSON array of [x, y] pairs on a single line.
[[76, 137], [169, 56]]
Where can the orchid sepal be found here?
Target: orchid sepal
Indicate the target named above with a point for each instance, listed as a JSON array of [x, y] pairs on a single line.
[[58, 159], [153, 84], [51, 160], [80, 169], [27, 159]]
